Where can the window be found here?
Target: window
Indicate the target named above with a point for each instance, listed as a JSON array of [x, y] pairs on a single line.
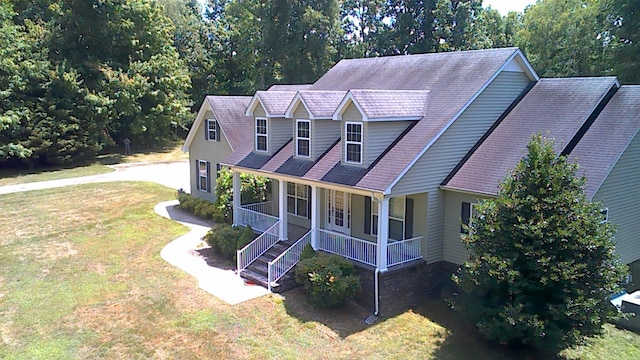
[[303, 138], [469, 211], [396, 218], [353, 142], [297, 199], [211, 130], [202, 168], [261, 134], [605, 215]]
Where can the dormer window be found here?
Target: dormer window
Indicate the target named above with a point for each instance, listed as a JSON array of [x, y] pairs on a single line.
[[353, 142], [303, 138], [211, 130], [261, 134]]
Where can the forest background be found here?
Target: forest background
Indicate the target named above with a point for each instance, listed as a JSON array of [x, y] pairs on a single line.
[[77, 76]]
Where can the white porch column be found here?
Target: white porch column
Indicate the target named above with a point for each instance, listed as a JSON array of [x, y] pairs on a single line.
[[383, 233], [282, 209], [315, 215], [237, 198]]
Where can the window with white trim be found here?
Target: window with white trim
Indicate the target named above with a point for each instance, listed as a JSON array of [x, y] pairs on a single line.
[[469, 211], [303, 138], [261, 134], [353, 142], [605, 215], [211, 128], [203, 175], [396, 218], [297, 199]]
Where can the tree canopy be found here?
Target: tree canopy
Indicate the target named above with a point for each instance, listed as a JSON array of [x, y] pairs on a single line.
[[542, 259]]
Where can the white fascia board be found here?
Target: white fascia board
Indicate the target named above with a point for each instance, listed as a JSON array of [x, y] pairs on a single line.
[[399, 118], [253, 104], [337, 115], [297, 100], [196, 124], [453, 119], [467, 192], [524, 62]]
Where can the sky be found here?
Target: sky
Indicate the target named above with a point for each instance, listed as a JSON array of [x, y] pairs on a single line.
[[504, 6]]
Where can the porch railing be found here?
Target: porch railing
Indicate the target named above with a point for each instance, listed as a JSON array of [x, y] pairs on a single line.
[[347, 246], [400, 252], [288, 259], [257, 247], [259, 221], [268, 207]]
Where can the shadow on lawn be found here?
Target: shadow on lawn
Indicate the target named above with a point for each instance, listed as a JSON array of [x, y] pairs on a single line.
[[464, 341], [345, 321]]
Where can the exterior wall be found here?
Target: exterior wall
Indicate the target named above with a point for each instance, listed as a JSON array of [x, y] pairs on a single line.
[[279, 132], [211, 151], [323, 135], [620, 192], [432, 168], [352, 114], [357, 218], [453, 247], [420, 205], [378, 136]]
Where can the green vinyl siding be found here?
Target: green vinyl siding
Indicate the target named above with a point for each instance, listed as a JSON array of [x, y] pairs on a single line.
[[378, 136], [324, 134], [358, 218], [439, 160], [212, 151], [454, 250], [279, 133], [620, 193]]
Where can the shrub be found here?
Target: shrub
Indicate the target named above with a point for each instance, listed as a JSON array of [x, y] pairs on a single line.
[[307, 252], [198, 207], [330, 280], [223, 239], [226, 240]]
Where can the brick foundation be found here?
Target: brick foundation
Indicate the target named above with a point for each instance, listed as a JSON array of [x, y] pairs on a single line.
[[404, 286]]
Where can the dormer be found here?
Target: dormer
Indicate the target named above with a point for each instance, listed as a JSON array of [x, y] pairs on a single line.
[[271, 129], [313, 129], [371, 120]]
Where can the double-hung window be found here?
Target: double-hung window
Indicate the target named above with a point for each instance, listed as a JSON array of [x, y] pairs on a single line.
[[468, 211], [303, 138], [261, 134], [211, 130], [297, 199], [605, 215], [396, 218], [203, 175], [353, 142]]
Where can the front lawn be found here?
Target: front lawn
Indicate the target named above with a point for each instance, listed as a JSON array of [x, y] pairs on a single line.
[[81, 277]]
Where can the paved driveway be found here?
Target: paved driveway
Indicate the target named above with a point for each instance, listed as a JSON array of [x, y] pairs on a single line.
[[171, 174]]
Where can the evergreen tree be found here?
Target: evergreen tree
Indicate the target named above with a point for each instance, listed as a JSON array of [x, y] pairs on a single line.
[[542, 260]]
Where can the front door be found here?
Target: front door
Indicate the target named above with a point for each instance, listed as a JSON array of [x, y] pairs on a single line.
[[339, 211]]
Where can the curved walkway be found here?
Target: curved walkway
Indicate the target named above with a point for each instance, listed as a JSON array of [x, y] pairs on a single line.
[[181, 253], [223, 284]]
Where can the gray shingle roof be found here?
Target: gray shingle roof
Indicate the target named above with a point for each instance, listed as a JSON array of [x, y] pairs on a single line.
[[555, 108], [230, 113], [386, 104], [608, 137], [321, 104], [453, 79]]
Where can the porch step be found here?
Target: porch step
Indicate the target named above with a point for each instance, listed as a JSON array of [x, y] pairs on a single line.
[[258, 271]]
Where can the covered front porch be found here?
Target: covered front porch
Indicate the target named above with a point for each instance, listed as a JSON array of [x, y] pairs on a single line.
[[379, 233]]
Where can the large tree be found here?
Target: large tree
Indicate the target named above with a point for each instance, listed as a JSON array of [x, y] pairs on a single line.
[[624, 21], [542, 260]]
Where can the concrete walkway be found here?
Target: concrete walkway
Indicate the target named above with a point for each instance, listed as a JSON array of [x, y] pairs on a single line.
[[181, 252]]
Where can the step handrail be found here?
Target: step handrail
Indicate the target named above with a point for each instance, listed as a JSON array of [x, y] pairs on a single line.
[[287, 260], [252, 251]]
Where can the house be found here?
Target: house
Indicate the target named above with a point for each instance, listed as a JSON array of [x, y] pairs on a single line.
[[379, 159]]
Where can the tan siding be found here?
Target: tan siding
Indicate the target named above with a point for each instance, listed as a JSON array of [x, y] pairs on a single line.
[[351, 114], [453, 248], [212, 151], [325, 133], [301, 113], [378, 136], [280, 131], [259, 111], [621, 194], [431, 169], [420, 203]]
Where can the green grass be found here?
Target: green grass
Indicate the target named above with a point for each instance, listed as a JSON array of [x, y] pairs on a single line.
[[81, 277], [98, 165]]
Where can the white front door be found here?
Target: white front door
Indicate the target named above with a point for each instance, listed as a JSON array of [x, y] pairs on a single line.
[[339, 211]]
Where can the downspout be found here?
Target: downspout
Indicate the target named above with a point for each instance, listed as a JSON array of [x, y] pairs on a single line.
[[377, 291]]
